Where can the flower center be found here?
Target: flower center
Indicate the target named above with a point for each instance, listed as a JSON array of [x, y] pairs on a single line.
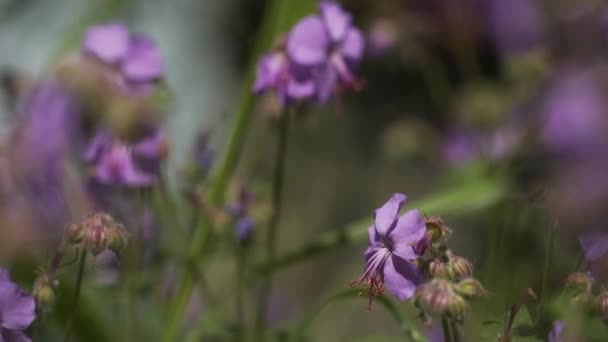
[[372, 276]]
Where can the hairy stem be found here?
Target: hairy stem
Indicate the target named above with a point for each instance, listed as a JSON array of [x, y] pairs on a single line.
[[272, 232], [79, 276]]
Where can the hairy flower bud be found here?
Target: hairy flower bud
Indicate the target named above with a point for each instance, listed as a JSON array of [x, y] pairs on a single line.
[[470, 288], [437, 269], [461, 267], [75, 233], [579, 282], [44, 294], [438, 298], [116, 238], [435, 228], [96, 239]]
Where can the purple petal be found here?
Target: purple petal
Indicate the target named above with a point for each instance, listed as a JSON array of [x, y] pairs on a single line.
[[18, 311], [307, 43], [13, 336], [143, 61], [400, 277], [555, 335], [353, 46], [109, 42], [151, 146], [269, 71], [336, 20], [117, 167], [326, 77], [385, 217], [594, 244], [410, 229], [100, 143], [300, 90]]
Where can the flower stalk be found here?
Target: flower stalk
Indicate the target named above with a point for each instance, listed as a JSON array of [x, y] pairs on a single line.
[[272, 233], [79, 276]]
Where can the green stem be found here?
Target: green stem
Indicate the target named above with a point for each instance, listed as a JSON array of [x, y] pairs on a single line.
[[272, 233], [81, 266], [447, 336], [455, 331], [546, 272]]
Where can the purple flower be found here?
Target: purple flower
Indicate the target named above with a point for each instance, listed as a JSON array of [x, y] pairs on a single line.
[[390, 252], [119, 163], [555, 335], [594, 245], [575, 115], [274, 73], [239, 209], [17, 310], [135, 56], [324, 48]]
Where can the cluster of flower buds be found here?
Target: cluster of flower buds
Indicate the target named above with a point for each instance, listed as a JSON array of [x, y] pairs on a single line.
[[450, 283], [442, 297], [580, 289], [98, 232]]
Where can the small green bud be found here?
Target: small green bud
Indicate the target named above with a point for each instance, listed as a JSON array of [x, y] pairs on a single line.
[[457, 306], [437, 269], [579, 282], [435, 228], [470, 288], [117, 238], [44, 294], [75, 233]]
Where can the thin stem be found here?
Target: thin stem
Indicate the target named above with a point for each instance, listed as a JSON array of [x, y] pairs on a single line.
[[240, 281], [546, 271], [272, 232], [79, 277], [447, 337], [455, 331]]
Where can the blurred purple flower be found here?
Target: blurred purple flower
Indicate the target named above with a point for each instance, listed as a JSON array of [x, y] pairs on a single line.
[[515, 25], [136, 56], [381, 37], [274, 73], [390, 252], [594, 244], [460, 148], [325, 48], [239, 208], [575, 117], [119, 163], [555, 335], [17, 310]]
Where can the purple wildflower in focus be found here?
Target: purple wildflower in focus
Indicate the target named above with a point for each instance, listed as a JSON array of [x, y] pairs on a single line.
[[274, 73], [119, 163], [390, 252], [17, 310], [555, 335], [325, 48], [135, 56]]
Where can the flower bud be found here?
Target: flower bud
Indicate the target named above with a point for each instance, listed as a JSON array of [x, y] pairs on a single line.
[[470, 288], [438, 298], [461, 267], [437, 269], [44, 294], [435, 228], [104, 219], [579, 282], [116, 238], [75, 233], [96, 239], [602, 303]]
